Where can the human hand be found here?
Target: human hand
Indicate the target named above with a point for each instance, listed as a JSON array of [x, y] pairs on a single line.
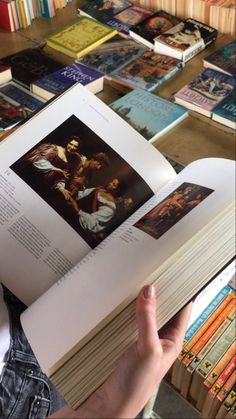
[[140, 369]]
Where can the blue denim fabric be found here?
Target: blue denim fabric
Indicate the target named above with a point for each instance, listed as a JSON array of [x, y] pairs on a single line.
[[25, 392]]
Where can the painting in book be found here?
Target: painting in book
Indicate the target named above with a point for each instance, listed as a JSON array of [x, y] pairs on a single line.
[[83, 179], [172, 209]]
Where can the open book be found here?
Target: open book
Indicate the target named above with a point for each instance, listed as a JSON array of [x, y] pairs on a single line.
[[90, 212]]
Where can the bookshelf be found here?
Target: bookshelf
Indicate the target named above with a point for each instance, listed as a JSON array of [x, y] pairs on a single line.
[[196, 137]]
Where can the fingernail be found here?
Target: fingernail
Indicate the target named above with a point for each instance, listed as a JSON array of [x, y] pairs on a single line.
[[149, 292]]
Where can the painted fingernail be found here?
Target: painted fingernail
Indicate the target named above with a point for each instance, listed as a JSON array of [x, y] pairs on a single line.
[[149, 292]]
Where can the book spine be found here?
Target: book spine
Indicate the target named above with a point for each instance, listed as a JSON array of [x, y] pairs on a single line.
[[224, 376], [228, 312], [228, 403], [212, 377], [206, 313], [207, 323], [218, 350], [186, 381]]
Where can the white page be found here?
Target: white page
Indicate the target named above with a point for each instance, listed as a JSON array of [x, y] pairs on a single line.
[[42, 234], [120, 265]]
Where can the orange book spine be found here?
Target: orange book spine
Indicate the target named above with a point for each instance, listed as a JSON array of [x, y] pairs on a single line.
[[206, 325], [229, 310]]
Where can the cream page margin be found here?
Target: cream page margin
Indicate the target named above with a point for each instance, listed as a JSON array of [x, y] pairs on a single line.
[[22, 273]]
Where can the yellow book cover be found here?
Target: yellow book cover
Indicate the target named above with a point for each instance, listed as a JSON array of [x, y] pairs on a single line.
[[80, 37]]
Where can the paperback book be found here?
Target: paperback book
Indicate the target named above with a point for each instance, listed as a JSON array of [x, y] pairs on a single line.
[[126, 19], [5, 73], [16, 104], [149, 114], [103, 9], [30, 65], [155, 221], [185, 40], [206, 91], [80, 37], [147, 71], [225, 112], [57, 82], [223, 59], [112, 54], [152, 26]]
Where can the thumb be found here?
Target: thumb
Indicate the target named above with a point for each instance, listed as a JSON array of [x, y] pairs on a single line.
[[148, 341]]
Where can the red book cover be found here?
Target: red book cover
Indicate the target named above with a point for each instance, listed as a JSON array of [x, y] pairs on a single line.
[[5, 17]]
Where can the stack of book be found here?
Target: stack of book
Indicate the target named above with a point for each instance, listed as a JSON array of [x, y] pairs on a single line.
[[212, 92], [217, 13], [204, 372], [15, 15]]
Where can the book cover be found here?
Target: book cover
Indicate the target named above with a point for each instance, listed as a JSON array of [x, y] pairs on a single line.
[[6, 18], [103, 9], [16, 103], [225, 112], [208, 89], [30, 65], [126, 19], [152, 26], [57, 82], [5, 73], [80, 37], [186, 39], [149, 114], [147, 71], [112, 54], [223, 59]]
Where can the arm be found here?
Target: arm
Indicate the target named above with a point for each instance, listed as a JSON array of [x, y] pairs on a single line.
[[140, 369]]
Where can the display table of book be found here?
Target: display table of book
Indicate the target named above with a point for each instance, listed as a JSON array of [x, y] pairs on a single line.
[[196, 137]]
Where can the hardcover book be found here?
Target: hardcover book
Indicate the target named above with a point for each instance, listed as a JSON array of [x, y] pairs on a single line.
[[223, 59], [80, 37], [30, 65], [57, 82], [126, 19], [103, 9], [206, 91], [16, 104], [185, 40], [149, 114], [152, 224], [147, 71], [112, 54], [152, 26], [5, 73], [225, 112]]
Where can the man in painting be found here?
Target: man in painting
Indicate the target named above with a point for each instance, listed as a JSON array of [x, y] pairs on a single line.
[[97, 206]]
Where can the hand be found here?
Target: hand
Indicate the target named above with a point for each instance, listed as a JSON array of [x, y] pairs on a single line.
[[140, 369]]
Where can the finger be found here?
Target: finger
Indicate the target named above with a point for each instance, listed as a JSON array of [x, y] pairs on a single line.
[[146, 318]]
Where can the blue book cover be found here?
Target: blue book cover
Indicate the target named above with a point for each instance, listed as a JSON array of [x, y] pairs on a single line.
[[21, 96], [147, 71], [223, 59], [16, 104], [149, 114], [112, 54], [121, 27], [60, 80], [225, 112]]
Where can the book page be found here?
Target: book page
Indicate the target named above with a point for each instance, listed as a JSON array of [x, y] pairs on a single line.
[[68, 177], [137, 253]]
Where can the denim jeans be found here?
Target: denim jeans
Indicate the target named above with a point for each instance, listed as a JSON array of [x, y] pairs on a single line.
[[25, 391]]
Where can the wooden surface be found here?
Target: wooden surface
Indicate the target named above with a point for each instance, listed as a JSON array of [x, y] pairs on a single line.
[[196, 137]]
